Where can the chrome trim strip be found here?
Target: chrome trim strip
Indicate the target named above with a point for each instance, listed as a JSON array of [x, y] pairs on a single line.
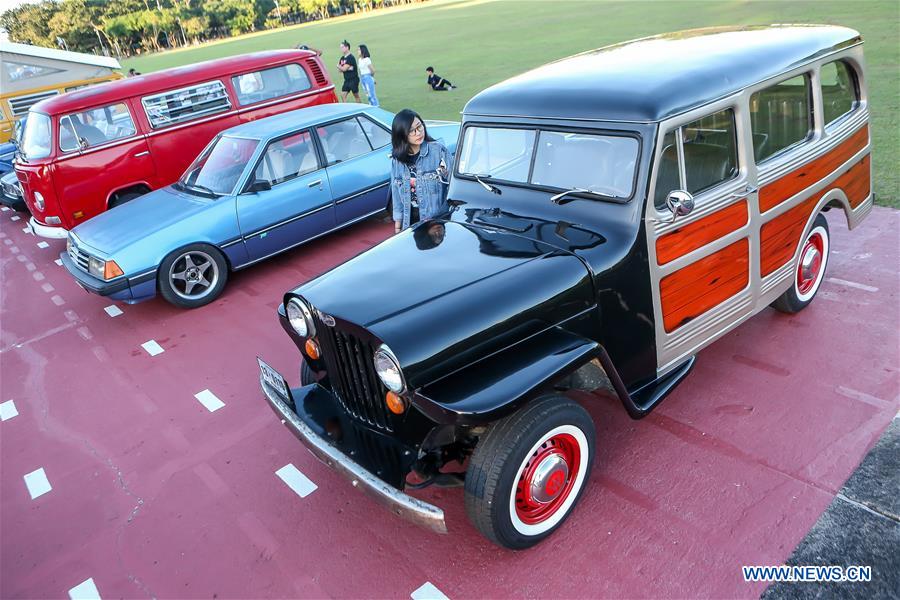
[[230, 243], [142, 275], [366, 191], [286, 221], [47, 231], [405, 506]]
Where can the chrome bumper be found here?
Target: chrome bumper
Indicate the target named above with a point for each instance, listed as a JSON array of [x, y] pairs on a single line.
[[402, 505], [46, 231]]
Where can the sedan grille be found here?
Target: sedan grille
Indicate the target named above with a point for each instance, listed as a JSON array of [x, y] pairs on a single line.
[[351, 372], [11, 190], [81, 259]]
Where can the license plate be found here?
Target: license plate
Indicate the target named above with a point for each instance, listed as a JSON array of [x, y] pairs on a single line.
[[274, 380]]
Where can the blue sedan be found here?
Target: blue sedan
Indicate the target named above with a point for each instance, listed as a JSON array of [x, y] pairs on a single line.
[[257, 190]]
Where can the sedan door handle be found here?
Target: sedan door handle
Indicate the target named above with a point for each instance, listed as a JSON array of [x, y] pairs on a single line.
[[140, 154], [315, 183]]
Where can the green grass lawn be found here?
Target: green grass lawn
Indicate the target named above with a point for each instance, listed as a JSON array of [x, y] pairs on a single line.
[[476, 43]]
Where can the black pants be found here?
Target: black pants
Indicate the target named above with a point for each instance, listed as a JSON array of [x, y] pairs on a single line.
[[443, 86]]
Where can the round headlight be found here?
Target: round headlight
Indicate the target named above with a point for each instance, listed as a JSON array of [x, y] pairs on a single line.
[[39, 201], [297, 317], [388, 370]]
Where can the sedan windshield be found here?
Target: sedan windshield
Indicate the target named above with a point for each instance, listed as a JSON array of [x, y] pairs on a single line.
[[36, 136], [603, 164], [218, 169]]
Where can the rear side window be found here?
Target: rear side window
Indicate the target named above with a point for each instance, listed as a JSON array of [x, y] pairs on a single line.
[[780, 116], [288, 158], [343, 140], [270, 83], [710, 156], [186, 104], [840, 93], [378, 137], [95, 127]]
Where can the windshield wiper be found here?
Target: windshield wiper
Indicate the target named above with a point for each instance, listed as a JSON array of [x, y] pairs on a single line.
[[202, 188], [560, 198], [488, 186]]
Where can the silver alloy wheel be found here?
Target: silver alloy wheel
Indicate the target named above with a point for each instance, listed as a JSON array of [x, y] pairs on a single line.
[[193, 275]]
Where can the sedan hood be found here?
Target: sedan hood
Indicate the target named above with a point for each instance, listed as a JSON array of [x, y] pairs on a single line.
[[444, 294], [115, 229]]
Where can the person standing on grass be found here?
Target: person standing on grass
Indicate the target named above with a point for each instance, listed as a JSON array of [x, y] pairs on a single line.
[[347, 66], [438, 83], [367, 74], [310, 48], [420, 167]]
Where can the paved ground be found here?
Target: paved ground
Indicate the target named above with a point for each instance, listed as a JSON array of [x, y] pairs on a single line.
[[153, 495]]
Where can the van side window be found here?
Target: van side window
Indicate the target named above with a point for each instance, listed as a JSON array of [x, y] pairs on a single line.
[[95, 127], [343, 140], [840, 92], [288, 158], [710, 156], [186, 104], [270, 83], [780, 116]]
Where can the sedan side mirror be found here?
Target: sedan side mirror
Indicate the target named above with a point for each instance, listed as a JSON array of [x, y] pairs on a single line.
[[680, 202], [259, 185]]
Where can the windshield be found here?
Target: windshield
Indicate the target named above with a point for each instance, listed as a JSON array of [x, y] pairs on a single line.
[[603, 164], [218, 169], [36, 136]]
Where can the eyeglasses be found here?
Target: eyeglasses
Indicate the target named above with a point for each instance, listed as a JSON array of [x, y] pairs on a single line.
[[418, 129]]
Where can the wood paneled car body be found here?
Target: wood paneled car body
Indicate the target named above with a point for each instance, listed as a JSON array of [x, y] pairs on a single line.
[[611, 214]]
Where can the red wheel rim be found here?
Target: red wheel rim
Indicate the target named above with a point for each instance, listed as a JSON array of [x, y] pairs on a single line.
[[810, 266], [553, 469]]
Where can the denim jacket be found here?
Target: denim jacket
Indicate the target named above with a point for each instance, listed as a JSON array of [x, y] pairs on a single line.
[[430, 192]]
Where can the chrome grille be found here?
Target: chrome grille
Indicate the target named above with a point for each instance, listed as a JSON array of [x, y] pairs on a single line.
[[352, 375], [11, 190], [81, 259]]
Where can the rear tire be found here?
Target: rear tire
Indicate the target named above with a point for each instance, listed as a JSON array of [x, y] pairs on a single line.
[[529, 470], [809, 270], [192, 276]]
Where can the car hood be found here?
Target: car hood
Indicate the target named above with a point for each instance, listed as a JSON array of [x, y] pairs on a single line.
[[118, 228], [444, 294]]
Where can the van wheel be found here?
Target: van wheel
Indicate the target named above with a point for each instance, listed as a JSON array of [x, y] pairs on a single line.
[[809, 271], [120, 200], [192, 276], [529, 470]]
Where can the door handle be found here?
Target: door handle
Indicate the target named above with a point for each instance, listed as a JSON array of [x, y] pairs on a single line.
[[315, 183], [744, 193], [140, 154]]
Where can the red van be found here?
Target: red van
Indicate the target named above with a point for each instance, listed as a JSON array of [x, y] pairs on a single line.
[[93, 149]]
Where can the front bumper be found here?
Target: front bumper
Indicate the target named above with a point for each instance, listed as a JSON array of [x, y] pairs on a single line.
[[16, 203], [403, 505], [91, 283], [46, 231]]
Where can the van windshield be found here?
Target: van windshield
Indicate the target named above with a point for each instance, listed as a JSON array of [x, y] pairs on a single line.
[[36, 136], [218, 169]]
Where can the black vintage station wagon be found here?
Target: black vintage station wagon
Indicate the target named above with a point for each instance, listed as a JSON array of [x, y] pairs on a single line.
[[611, 214]]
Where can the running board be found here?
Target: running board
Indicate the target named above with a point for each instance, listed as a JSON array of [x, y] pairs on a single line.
[[647, 397]]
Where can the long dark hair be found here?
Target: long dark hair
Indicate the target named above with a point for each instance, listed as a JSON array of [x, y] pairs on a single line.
[[364, 50], [400, 129]]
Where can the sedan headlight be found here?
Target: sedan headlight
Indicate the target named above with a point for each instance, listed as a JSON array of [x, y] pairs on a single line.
[[299, 317], [388, 370], [104, 269], [39, 201]]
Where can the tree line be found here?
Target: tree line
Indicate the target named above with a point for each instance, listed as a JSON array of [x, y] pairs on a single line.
[[129, 27]]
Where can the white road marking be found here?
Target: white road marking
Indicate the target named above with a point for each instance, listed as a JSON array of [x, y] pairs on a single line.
[[58, 300], [8, 410], [8, 242], [296, 480], [14, 218], [209, 400], [113, 310], [152, 348], [58, 262], [852, 284], [428, 592], [38, 276], [5, 208], [47, 288], [86, 590], [30, 266], [26, 230], [43, 245], [37, 483]]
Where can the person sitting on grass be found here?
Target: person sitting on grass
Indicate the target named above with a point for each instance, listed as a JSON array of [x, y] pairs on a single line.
[[438, 83]]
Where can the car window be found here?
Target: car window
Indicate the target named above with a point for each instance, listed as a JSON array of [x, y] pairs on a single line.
[[599, 163], [501, 153], [186, 104], [710, 156], [378, 136], [288, 158], [36, 137], [218, 169], [270, 83], [780, 116], [95, 127], [343, 140], [840, 93]]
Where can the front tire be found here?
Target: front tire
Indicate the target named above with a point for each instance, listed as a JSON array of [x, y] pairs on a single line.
[[192, 276], [529, 470], [809, 270]]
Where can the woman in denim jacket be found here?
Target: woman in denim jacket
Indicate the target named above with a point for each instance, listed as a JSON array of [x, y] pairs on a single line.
[[420, 168]]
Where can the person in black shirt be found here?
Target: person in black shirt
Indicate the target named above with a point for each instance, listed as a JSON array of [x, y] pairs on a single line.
[[347, 65], [438, 83]]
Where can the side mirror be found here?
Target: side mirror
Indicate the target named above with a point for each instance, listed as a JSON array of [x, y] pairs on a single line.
[[83, 143], [259, 185], [680, 202]]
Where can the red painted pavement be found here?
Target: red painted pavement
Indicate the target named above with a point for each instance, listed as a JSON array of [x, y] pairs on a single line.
[[153, 496]]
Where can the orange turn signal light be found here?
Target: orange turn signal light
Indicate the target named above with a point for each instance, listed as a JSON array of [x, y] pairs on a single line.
[[312, 349], [111, 270], [78, 214], [395, 403]]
